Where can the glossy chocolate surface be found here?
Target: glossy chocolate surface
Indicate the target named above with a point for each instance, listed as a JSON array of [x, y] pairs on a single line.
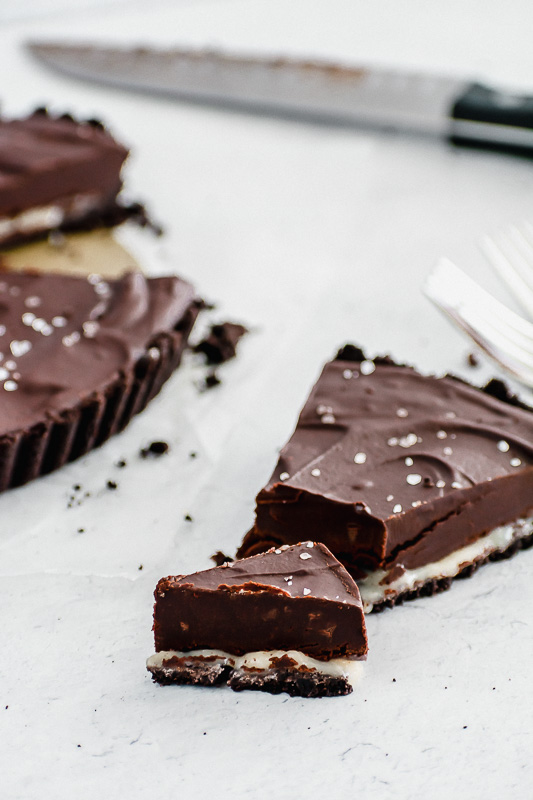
[[296, 598], [388, 466], [45, 159], [64, 339]]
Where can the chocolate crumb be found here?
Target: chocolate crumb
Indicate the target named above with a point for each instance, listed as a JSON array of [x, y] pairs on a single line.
[[95, 123], [76, 487], [211, 380], [220, 558], [139, 568], [473, 360], [221, 343], [154, 450], [122, 463], [112, 485], [81, 530], [187, 518], [193, 455]]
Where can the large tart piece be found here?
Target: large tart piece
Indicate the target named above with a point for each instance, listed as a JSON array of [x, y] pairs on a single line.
[[290, 620], [79, 357], [58, 174], [410, 480]]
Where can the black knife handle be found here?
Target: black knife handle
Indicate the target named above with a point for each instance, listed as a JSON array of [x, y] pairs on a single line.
[[487, 118]]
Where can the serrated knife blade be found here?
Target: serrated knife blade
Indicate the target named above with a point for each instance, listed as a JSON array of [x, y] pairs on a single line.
[[462, 111]]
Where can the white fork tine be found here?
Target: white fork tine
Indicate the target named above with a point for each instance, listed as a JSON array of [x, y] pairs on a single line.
[[503, 335], [528, 233], [511, 255]]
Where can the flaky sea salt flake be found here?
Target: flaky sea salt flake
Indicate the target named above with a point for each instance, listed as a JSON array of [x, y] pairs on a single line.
[[367, 367]]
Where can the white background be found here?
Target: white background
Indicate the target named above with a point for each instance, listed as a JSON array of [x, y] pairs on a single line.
[[312, 237]]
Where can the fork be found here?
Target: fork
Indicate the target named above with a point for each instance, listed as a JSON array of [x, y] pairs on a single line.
[[510, 253], [503, 335]]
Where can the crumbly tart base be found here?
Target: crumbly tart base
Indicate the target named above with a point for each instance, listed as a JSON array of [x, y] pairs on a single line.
[[48, 445], [274, 672], [38, 223], [504, 542]]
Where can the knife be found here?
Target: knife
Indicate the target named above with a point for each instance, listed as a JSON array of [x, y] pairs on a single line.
[[460, 111]]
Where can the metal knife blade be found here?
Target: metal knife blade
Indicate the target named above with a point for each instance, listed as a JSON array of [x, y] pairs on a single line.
[[315, 90]]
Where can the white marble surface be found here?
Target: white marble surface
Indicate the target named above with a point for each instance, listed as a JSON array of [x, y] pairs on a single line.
[[311, 237]]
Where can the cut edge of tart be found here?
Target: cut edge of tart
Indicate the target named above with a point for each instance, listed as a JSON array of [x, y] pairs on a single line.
[[58, 173], [411, 480], [289, 620]]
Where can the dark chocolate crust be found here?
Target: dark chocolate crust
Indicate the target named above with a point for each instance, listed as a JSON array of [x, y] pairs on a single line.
[[293, 682], [70, 398], [392, 468], [220, 344], [108, 216], [198, 674], [59, 162], [297, 598]]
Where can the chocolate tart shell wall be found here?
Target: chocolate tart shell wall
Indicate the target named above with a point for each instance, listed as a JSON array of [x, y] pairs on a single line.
[[50, 444]]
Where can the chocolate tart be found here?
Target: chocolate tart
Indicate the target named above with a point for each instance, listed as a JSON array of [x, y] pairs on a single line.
[[79, 357], [410, 480], [57, 173], [290, 620]]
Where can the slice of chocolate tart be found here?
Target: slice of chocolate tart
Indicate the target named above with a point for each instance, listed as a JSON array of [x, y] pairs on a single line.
[[79, 357], [410, 480], [59, 174], [289, 620]]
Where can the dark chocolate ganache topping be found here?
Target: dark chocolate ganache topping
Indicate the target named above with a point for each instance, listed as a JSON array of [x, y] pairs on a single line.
[[64, 339], [44, 159], [308, 569], [389, 465]]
